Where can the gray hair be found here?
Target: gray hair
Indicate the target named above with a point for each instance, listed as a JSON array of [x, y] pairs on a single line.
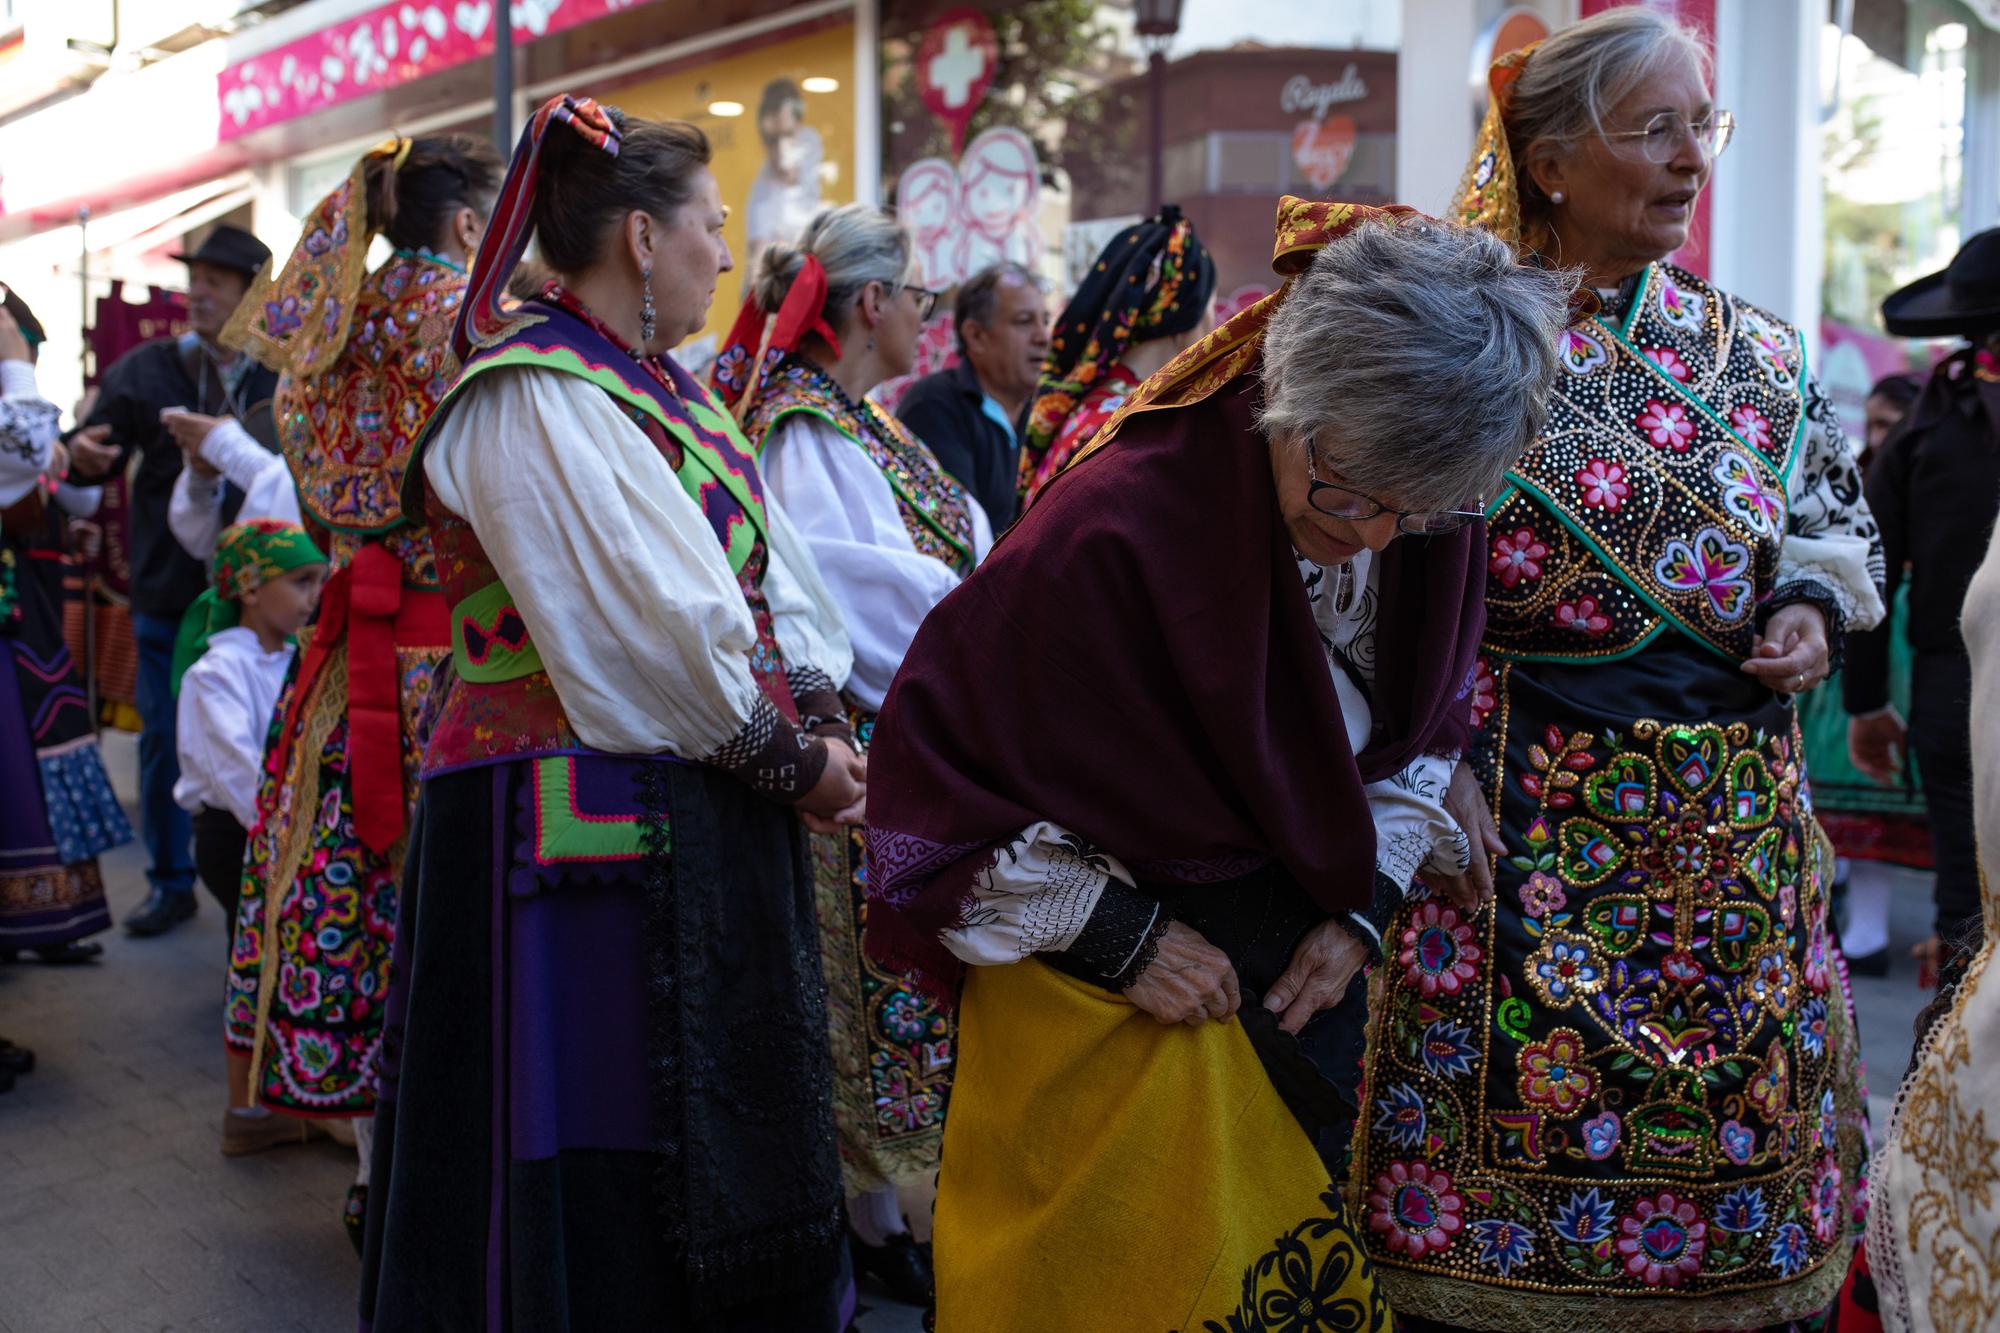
[[1418, 357], [1574, 79], [979, 295], [856, 244]]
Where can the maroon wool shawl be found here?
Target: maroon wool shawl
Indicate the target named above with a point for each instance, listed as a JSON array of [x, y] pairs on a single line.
[[1138, 662]]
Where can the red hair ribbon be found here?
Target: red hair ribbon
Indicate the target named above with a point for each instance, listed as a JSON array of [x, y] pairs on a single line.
[[480, 318], [752, 349]]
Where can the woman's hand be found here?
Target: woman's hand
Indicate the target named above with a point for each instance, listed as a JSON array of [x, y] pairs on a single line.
[[1189, 980], [1326, 960], [853, 814], [1472, 888], [1791, 653], [1876, 745], [842, 785]]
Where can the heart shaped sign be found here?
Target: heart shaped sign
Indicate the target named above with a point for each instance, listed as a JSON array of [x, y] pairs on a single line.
[[1322, 149]]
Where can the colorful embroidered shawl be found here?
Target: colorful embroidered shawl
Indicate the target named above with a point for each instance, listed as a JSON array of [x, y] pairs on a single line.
[[932, 504]]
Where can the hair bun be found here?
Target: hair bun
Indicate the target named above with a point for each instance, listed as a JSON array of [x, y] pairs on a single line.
[[777, 269]]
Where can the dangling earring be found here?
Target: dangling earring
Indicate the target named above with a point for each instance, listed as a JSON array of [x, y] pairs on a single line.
[[1556, 196], [648, 318]]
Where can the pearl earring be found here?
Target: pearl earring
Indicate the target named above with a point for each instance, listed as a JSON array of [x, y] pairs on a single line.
[[1557, 196], [648, 318]]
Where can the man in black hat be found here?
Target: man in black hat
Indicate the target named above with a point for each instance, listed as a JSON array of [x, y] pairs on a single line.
[[192, 371], [1935, 490]]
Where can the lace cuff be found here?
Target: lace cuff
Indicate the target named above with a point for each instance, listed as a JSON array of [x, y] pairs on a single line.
[[772, 756], [821, 709], [1119, 940]]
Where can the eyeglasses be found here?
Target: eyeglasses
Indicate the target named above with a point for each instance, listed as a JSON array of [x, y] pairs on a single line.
[[926, 300], [1336, 501], [1663, 133]]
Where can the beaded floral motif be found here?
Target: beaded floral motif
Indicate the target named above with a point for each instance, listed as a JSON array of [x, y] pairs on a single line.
[[1646, 1096], [1657, 489]]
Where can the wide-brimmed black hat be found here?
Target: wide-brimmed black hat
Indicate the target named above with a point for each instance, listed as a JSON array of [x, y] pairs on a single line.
[[230, 247], [1962, 300]]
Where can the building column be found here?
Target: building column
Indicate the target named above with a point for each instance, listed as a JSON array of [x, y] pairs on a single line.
[[1434, 124], [1767, 234]]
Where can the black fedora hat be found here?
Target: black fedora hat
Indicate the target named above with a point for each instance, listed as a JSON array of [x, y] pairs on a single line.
[[1964, 299], [232, 248]]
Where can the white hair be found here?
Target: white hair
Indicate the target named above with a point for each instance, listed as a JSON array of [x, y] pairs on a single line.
[[856, 244], [1418, 358]]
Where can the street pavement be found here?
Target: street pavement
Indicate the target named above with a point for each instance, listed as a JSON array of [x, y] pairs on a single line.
[[118, 1211]]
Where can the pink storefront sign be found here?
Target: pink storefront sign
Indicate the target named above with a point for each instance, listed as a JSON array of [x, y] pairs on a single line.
[[389, 45]]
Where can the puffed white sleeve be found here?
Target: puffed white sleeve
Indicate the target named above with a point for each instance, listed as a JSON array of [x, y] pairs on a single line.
[[29, 427], [220, 738], [194, 510], [805, 615], [1832, 551], [625, 591], [1036, 897], [843, 507]]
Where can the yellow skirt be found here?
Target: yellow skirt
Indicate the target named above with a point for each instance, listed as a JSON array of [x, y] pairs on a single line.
[[1104, 1173]]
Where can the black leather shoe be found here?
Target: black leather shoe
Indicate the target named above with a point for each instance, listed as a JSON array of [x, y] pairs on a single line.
[[898, 1265], [15, 1059], [68, 953], [161, 912]]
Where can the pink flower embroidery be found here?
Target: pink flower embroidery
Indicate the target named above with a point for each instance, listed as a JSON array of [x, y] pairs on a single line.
[[1667, 426], [1438, 952], [1583, 616], [1667, 359], [1604, 484], [1825, 1199], [1662, 1241], [1542, 894], [1556, 1074], [1518, 556], [1415, 1208], [1752, 425], [1485, 692]]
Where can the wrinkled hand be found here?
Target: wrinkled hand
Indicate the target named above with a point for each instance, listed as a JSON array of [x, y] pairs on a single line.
[[1189, 980], [1472, 888], [842, 785], [1791, 655], [1326, 960], [856, 813], [90, 451], [13, 343], [1877, 744]]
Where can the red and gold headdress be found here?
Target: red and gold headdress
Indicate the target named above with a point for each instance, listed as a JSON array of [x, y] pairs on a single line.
[[1489, 194], [758, 341], [295, 320]]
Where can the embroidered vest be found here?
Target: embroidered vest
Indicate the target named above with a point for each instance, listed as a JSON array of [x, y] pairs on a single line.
[[503, 705], [932, 505], [346, 433], [1655, 498]]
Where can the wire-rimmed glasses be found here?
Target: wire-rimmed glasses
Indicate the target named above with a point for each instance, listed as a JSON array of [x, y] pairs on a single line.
[[1344, 502], [1663, 134]]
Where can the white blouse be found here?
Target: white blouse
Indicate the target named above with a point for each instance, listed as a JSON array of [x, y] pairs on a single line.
[[224, 712], [194, 511], [1043, 886], [625, 590], [30, 425], [846, 510]]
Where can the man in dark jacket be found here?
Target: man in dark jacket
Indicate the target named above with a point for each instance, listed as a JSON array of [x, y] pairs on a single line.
[[195, 372], [970, 414], [1936, 492]]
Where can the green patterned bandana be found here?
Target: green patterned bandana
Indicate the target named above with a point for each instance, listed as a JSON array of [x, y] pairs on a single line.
[[247, 555]]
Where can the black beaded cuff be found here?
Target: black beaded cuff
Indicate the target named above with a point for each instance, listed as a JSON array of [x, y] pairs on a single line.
[[1380, 914], [772, 755], [1119, 941], [1819, 595], [823, 713]]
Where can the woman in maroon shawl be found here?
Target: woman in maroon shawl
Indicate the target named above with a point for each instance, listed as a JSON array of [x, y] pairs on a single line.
[[1149, 743]]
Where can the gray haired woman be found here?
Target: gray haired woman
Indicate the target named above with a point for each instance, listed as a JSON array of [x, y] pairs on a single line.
[[1127, 783], [1627, 1097]]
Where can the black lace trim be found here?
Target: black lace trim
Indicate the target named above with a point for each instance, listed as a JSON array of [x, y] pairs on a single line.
[[661, 942], [823, 713], [1815, 594], [772, 756], [1119, 940]]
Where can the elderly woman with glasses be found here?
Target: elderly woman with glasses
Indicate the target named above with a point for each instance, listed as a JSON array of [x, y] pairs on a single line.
[[1627, 1097], [1127, 785]]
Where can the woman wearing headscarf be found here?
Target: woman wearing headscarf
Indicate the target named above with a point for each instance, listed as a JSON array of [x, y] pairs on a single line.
[[1148, 298], [1633, 1085], [363, 360], [606, 1093], [1126, 790], [58, 811], [836, 314]]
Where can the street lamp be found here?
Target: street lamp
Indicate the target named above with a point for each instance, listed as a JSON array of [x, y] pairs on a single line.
[[1158, 21]]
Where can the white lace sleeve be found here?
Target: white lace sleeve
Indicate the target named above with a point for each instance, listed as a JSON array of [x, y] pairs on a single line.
[[1037, 896], [1831, 541], [1412, 830]]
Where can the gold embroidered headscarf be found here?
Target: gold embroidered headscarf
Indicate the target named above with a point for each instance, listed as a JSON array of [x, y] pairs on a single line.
[[295, 321], [1489, 193]]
